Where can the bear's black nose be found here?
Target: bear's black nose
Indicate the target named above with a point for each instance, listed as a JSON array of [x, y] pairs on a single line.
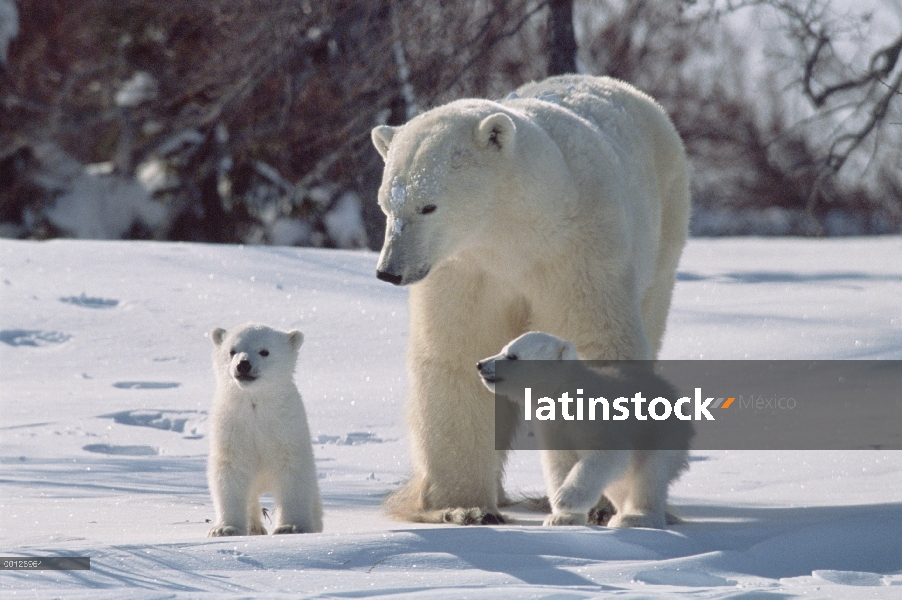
[[244, 367], [386, 276], [479, 365]]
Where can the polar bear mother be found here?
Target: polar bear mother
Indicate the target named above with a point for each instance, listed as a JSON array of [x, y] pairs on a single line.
[[563, 208]]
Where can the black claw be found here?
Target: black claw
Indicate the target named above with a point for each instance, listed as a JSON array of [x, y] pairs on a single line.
[[492, 519]]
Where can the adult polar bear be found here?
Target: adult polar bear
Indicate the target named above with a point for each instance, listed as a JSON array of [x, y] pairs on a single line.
[[563, 208]]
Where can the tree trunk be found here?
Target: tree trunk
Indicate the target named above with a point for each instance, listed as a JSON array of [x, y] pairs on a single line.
[[561, 38]]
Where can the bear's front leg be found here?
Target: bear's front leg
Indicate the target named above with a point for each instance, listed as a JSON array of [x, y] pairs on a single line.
[[458, 464], [583, 486], [229, 488], [298, 499], [556, 465], [641, 496], [458, 317]]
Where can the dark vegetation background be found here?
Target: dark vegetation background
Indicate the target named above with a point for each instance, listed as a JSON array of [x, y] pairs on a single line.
[[248, 120]]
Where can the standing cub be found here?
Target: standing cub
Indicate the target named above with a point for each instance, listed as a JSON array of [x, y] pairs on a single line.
[[259, 438]]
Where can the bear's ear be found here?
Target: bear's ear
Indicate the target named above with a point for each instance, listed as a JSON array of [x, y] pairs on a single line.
[[497, 131], [382, 137], [295, 338], [217, 335]]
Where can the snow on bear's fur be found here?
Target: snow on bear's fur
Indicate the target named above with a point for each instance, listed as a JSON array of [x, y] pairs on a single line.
[[635, 480], [563, 208], [259, 438]]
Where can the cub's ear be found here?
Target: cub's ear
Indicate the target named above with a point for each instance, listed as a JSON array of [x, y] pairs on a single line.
[[217, 335], [295, 338], [382, 137], [497, 131]]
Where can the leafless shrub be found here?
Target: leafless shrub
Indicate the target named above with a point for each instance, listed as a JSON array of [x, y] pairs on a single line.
[[752, 139], [258, 112], [294, 85]]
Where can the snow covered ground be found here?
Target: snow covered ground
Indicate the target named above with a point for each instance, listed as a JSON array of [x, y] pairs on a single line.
[[105, 378]]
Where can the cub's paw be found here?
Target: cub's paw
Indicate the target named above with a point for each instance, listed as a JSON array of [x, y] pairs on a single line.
[[564, 519], [257, 530], [572, 499], [649, 520], [472, 516], [223, 530], [288, 529]]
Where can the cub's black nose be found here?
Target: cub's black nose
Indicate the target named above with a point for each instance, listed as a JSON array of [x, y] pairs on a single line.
[[244, 367], [385, 276], [479, 366]]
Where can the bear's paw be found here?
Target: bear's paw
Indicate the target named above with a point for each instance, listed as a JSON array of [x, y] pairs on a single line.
[[602, 512], [638, 519], [223, 530], [556, 519], [472, 516], [574, 499], [288, 529]]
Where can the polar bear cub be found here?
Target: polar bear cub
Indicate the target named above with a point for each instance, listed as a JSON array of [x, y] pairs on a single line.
[[636, 481], [259, 438]]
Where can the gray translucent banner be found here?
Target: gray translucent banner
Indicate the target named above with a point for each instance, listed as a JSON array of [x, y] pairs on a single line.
[[45, 563], [700, 404]]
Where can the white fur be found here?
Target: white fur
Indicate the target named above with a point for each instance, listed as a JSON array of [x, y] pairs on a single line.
[[259, 438], [566, 216], [636, 481]]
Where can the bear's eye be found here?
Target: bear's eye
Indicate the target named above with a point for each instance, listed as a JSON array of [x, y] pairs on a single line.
[[232, 352], [264, 353], [429, 208], [512, 357]]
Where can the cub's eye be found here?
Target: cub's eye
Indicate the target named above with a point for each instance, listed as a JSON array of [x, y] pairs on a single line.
[[231, 352], [512, 357], [264, 353], [429, 208]]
